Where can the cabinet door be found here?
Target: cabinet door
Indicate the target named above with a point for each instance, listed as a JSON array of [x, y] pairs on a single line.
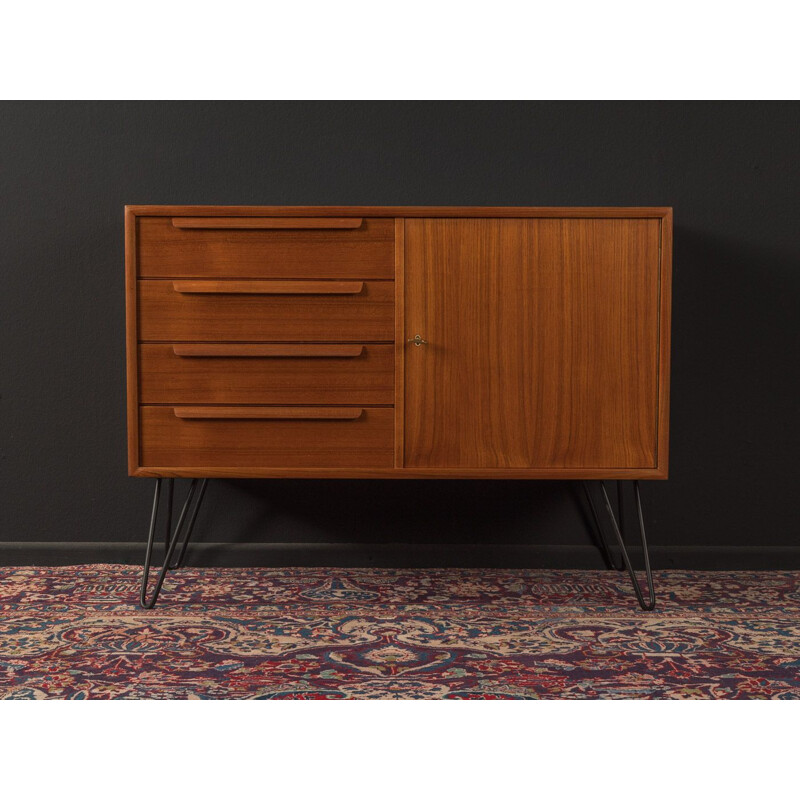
[[542, 343]]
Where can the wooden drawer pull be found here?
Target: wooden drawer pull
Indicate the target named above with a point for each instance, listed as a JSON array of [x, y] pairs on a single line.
[[267, 223], [265, 412], [268, 287], [269, 350]]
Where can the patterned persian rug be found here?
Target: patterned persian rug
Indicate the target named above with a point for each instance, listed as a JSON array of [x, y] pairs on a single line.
[[77, 632]]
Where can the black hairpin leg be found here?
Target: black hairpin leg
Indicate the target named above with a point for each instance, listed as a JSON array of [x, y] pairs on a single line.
[[616, 526], [183, 530], [598, 526]]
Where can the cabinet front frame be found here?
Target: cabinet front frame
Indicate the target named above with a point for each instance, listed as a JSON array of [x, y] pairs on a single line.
[[400, 213]]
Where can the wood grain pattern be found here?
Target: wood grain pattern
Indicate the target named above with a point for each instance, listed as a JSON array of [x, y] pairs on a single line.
[[664, 349], [166, 315], [265, 412], [209, 444], [275, 223], [268, 287], [543, 343], [165, 251], [255, 374]]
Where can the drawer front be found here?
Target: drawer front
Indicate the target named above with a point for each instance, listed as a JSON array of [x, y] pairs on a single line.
[[267, 373], [239, 250], [216, 436], [279, 311]]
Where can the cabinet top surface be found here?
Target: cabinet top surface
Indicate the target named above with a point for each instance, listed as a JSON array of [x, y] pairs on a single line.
[[405, 211]]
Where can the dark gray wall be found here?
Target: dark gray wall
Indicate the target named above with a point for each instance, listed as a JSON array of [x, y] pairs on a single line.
[[730, 170]]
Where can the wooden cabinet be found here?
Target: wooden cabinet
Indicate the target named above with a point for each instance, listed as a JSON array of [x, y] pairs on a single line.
[[274, 342]]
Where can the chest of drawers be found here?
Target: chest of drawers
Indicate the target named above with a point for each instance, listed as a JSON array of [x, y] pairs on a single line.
[[408, 342]]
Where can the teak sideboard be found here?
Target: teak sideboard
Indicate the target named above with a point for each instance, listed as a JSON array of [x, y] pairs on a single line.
[[397, 342]]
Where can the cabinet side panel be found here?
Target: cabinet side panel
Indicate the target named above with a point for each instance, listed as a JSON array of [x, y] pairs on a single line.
[[131, 335], [596, 307], [665, 327]]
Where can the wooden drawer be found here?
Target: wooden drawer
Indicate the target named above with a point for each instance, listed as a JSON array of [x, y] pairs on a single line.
[[270, 437], [265, 247], [280, 311], [334, 374]]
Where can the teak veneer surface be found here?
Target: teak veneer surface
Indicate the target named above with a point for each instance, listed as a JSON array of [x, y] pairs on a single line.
[[366, 441], [547, 355], [165, 251], [404, 212], [251, 373], [169, 315], [542, 343]]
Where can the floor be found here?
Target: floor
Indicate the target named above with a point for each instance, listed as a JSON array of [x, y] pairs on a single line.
[[77, 632]]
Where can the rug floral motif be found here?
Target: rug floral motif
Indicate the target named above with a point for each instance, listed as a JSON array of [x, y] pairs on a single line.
[[77, 632]]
